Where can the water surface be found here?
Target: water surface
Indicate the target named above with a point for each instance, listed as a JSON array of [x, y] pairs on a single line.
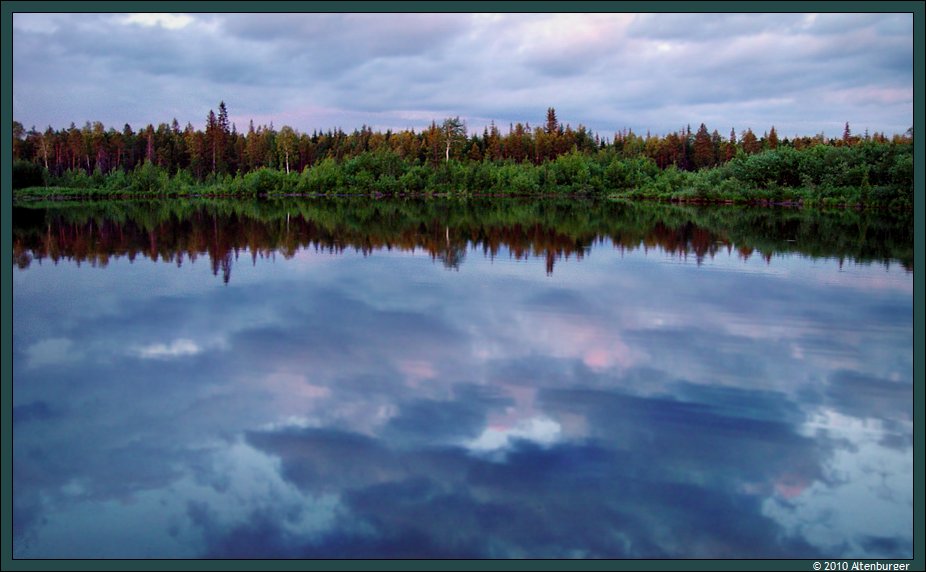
[[477, 380]]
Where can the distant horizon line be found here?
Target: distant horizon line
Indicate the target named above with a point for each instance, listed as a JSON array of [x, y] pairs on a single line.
[[469, 132]]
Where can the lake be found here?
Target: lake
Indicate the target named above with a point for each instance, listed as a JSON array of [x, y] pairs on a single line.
[[350, 378]]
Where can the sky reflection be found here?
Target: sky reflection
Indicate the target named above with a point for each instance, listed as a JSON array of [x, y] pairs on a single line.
[[632, 405]]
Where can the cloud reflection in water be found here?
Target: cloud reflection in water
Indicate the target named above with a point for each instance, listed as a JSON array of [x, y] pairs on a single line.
[[380, 406]]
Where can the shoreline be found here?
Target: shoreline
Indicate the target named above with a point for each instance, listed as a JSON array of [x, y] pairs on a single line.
[[55, 194]]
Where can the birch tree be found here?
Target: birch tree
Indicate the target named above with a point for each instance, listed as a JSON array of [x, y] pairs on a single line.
[[453, 130]]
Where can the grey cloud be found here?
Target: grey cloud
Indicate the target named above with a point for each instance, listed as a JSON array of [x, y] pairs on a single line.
[[172, 400], [841, 23], [334, 43], [344, 334], [325, 458], [743, 403], [865, 396], [658, 449], [165, 54], [882, 545], [368, 34], [724, 27], [35, 411], [544, 371], [580, 62], [361, 64], [707, 27], [731, 354], [562, 300], [433, 503], [429, 422], [689, 439], [901, 440]]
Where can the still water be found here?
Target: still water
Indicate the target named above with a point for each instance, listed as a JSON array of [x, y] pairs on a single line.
[[425, 379]]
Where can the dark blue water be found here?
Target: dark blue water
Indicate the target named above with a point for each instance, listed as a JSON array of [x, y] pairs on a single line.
[[633, 403]]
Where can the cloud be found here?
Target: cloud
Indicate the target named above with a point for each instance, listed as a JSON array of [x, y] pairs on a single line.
[[51, 351], [540, 430], [867, 484], [358, 412], [169, 21], [865, 396], [607, 71], [717, 26], [443, 502], [35, 411], [447, 421], [177, 348]]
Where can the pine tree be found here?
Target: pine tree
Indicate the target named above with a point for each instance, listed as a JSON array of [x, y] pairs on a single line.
[[212, 126], [702, 149], [716, 146], [731, 145], [552, 125], [750, 142], [149, 143], [475, 154], [773, 138], [222, 136]]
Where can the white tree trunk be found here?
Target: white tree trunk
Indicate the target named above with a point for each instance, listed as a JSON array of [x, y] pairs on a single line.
[[45, 153]]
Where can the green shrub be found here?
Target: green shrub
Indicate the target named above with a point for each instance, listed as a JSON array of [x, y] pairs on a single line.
[[26, 174]]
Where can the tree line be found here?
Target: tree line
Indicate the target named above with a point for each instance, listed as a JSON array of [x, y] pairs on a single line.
[[222, 229], [444, 157]]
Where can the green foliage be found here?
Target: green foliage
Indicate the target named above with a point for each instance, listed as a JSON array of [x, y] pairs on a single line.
[[263, 181], [415, 179], [183, 182], [325, 177], [27, 174], [901, 173], [516, 179], [374, 172], [446, 159], [73, 178], [148, 178], [479, 177], [871, 174], [574, 223], [116, 181], [572, 172]]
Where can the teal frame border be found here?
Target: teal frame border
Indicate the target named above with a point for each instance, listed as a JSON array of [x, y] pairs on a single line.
[[917, 8]]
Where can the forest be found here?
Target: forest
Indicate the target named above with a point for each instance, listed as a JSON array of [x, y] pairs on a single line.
[[96, 231], [869, 170]]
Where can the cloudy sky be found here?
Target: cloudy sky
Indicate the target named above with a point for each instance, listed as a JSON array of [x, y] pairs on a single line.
[[336, 405], [802, 73]]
